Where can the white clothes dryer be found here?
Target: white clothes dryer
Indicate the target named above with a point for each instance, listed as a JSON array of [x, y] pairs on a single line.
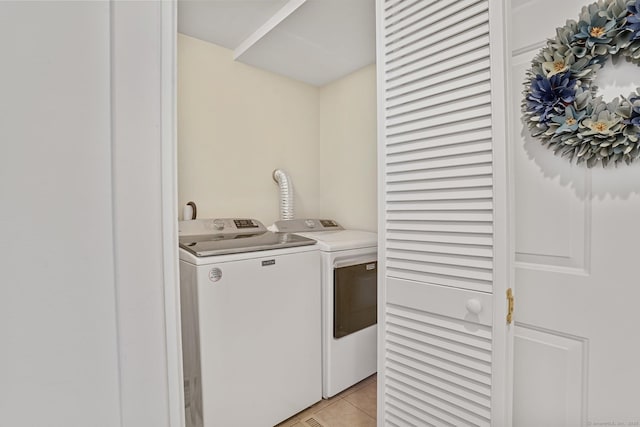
[[349, 300]]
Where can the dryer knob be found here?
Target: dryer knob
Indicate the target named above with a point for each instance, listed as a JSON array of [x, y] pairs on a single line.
[[309, 223], [218, 224]]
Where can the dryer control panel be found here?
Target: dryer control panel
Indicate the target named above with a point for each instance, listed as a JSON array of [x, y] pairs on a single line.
[[309, 224]]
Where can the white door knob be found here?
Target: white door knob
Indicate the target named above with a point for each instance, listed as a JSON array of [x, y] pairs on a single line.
[[474, 306]]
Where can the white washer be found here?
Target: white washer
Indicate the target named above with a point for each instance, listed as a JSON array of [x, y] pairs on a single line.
[[349, 300], [251, 327]]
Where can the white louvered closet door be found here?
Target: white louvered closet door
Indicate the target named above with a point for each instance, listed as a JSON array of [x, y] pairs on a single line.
[[444, 340]]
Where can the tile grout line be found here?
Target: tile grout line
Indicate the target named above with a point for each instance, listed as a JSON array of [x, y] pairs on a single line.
[[360, 409], [303, 415]]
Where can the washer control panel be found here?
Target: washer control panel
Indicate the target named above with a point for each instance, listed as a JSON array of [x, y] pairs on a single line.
[[221, 226], [242, 224]]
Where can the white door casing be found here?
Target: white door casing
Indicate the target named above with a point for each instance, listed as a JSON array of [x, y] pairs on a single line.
[[576, 243], [444, 343]]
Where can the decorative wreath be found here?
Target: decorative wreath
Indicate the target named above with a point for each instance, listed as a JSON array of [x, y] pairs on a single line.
[[561, 106]]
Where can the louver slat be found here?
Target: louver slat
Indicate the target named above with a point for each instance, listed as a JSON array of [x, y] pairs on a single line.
[[400, 232], [414, 93], [424, 266], [439, 184], [442, 248], [448, 194], [456, 95], [438, 106], [406, 151], [469, 124], [397, 5], [445, 327], [434, 18], [431, 54], [458, 173], [453, 57], [448, 259], [438, 189], [402, 18], [438, 279], [463, 398], [421, 399], [431, 40], [473, 385], [464, 63], [442, 363], [441, 205], [431, 79], [409, 415], [450, 216]]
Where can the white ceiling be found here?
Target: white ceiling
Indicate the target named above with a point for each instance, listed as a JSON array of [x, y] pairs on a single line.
[[315, 41]]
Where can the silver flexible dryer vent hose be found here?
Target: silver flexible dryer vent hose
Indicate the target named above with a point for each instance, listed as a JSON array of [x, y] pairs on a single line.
[[286, 193]]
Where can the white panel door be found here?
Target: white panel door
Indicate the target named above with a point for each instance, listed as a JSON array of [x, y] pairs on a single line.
[[444, 338], [82, 281], [576, 345], [59, 353]]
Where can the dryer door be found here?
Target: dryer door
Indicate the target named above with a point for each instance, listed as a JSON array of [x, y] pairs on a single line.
[[355, 297]]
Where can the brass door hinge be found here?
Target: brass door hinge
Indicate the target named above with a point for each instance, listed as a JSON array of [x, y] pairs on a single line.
[[511, 304]]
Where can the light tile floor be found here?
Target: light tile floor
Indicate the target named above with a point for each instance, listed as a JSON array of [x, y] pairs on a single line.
[[354, 407]]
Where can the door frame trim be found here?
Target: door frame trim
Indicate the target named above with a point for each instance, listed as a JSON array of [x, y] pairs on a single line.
[[501, 397], [382, 261], [171, 285]]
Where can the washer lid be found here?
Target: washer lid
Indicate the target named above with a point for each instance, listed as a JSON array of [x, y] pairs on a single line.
[[221, 244]]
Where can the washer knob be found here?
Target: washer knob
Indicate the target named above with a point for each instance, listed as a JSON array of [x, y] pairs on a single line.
[[310, 223], [218, 224], [215, 274]]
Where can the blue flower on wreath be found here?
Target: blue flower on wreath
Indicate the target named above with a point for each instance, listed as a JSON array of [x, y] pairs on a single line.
[[633, 20], [548, 93], [569, 121], [635, 112]]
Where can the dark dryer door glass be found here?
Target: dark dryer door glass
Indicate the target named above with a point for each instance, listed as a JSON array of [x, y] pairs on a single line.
[[355, 297]]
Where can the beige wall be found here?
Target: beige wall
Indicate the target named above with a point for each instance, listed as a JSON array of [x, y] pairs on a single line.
[[348, 150], [236, 124]]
